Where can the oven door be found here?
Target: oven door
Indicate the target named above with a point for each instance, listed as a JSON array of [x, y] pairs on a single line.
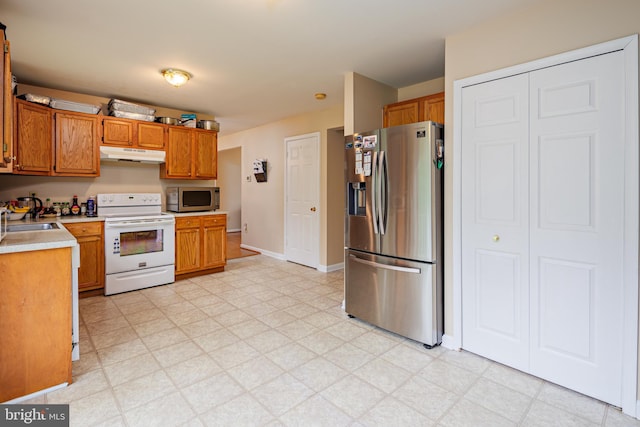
[[138, 243]]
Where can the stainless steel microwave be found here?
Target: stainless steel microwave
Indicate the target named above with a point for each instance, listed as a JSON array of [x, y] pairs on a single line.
[[193, 199]]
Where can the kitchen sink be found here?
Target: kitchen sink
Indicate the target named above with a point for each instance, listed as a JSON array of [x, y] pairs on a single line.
[[36, 226]]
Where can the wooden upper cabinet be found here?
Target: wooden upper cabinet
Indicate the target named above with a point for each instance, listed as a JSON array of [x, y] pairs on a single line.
[[55, 142], [432, 108], [179, 159], [151, 136], [76, 144], [191, 154], [401, 113], [117, 131], [133, 133], [206, 155], [415, 110], [32, 142]]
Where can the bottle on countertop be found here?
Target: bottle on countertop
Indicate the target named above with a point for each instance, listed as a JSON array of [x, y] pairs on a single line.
[[47, 209], [91, 206], [75, 207]]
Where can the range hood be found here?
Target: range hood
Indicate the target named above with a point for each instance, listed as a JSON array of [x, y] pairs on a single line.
[[137, 155]]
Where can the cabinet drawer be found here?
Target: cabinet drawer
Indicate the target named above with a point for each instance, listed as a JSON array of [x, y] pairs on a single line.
[[79, 229], [214, 220], [187, 222]]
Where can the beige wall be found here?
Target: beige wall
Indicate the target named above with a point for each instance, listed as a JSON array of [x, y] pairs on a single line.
[[421, 89], [263, 203], [230, 183], [549, 28], [363, 102], [335, 196], [114, 177]]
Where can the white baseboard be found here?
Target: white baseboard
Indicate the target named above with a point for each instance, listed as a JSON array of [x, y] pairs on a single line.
[[330, 268], [35, 394], [449, 342], [264, 252], [233, 230], [321, 268]]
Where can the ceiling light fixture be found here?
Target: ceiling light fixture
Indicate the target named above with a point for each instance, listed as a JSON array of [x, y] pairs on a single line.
[[320, 96], [175, 77]]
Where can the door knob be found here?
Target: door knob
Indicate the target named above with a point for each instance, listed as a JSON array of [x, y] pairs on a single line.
[[313, 209]]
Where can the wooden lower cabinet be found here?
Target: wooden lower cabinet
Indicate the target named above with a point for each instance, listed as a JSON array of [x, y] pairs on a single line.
[[215, 241], [90, 237], [201, 245], [35, 314], [188, 244]]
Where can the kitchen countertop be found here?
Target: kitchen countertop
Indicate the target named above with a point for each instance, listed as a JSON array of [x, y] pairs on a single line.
[[78, 218], [181, 214], [25, 241]]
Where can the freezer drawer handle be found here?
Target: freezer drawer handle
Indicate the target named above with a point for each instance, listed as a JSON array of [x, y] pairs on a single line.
[[386, 266]]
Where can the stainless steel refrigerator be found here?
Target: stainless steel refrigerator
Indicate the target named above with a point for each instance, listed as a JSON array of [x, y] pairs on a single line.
[[394, 229]]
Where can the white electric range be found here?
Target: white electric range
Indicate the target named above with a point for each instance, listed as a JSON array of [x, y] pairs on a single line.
[[139, 241]]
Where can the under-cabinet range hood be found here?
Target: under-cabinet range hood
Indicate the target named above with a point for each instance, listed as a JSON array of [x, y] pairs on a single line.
[[137, 155]]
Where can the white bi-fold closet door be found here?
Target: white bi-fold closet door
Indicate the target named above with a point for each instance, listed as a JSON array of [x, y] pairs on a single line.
[[542, 202]]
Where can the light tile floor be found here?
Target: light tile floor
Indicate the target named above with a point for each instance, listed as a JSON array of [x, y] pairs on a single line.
[[266, 343]]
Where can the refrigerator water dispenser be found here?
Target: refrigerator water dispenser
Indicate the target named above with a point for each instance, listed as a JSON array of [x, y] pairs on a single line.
[[357, 198]]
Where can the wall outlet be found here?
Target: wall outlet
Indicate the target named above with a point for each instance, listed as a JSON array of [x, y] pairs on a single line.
[[248, 178]]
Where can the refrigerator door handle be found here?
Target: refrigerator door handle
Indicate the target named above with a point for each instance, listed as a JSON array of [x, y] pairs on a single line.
[[386, 266], [374, 199], [384, 193]]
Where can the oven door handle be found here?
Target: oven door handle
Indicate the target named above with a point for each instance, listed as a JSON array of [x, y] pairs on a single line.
[[137, 223]]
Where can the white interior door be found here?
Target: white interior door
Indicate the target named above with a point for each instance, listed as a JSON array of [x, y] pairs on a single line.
[[495, 220], [302, 199], [542, 223], [577, 205]]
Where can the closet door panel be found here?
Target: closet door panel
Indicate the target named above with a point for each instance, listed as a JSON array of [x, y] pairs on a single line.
[[577, 202], [495, 220]]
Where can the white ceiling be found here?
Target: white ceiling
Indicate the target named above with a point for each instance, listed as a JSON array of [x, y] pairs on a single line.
[[253, 61]]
